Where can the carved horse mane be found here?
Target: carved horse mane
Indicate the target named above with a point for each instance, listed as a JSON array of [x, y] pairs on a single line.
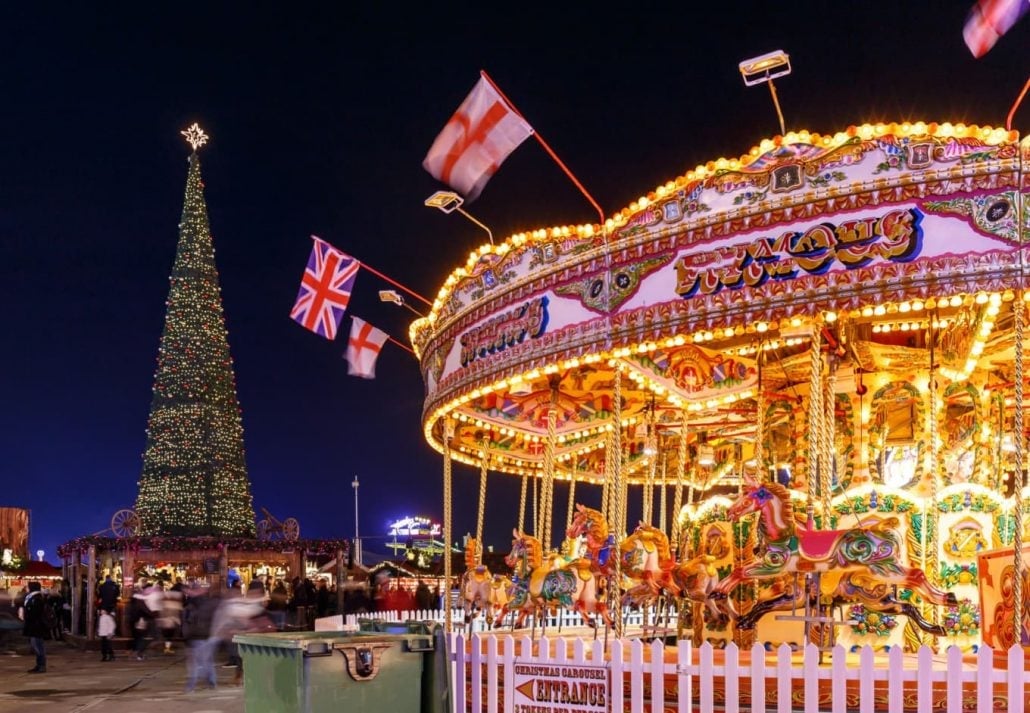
[[532, 549], [589, 522]]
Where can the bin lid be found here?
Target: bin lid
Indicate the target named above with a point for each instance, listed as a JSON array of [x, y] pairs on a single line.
[[299, 640], [306, 639]]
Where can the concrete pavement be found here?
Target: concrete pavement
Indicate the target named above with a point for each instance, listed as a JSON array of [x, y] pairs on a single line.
[[78, 680]]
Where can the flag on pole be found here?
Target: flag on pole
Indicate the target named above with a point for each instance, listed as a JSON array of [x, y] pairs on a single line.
[[477, 139], [988, 20], [325, 289], [363, 348]]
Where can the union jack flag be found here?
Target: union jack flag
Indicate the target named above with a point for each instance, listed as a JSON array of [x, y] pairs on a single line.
[[325, 289]]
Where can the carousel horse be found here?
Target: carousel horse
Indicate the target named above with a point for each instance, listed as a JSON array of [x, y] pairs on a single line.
[[645, 555], [476, 584], [867, 557], [543, 583], [647, 558], [692, 580]]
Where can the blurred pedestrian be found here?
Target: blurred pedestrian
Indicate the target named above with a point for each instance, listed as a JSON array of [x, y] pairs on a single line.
[[170, 618], [232, 617], [277, 602], [197, 616], [105, 630], [109, 593], [141, 617], [35, 626]]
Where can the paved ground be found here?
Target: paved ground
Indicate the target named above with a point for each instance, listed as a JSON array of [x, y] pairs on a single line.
[[78, 680]]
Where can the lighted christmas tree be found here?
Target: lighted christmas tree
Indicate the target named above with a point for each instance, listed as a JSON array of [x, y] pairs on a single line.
[[194, 479]]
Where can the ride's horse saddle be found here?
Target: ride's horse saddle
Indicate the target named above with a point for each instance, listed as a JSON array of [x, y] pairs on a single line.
[[818, 545], [480, 574]]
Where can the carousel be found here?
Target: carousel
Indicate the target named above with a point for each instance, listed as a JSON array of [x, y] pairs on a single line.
[[803, 366]]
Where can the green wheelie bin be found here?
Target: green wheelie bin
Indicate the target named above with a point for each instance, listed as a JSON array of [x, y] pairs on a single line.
[[328, 671]]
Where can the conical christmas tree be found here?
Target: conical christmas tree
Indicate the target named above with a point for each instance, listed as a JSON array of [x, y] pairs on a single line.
[[194, 479]]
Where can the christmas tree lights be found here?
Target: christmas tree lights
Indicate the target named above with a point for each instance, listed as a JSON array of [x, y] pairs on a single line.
[[194, 480]]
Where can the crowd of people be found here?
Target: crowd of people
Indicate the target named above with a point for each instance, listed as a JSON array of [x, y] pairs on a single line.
[[172, 614]]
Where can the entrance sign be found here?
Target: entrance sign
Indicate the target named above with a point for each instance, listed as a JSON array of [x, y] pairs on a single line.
[[560, 688]]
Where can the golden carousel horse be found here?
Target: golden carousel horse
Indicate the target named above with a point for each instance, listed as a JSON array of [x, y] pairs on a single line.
[[647, 559], [480, 590], [541, 583], [868, 558]]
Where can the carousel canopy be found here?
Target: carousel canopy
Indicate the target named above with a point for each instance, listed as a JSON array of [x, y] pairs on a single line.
[[893, 248]]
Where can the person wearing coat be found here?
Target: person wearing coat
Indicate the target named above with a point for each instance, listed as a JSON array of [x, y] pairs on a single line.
[[35, 625]]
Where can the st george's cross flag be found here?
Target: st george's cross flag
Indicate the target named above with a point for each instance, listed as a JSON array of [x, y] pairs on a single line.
[[477, 139], [325, 289], [363, 348], [988, 20]]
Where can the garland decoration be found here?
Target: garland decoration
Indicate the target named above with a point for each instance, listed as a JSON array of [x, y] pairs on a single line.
[[161, 543]]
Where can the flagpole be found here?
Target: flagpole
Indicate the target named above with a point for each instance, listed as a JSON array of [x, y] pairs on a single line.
[[405, 347], [547, 148], [392, 281], [1015, 106]]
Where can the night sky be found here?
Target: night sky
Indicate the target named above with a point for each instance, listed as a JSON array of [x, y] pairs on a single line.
[[319, 118]]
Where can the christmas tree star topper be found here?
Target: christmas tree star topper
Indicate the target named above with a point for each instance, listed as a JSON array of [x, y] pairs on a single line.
[[195, 136]]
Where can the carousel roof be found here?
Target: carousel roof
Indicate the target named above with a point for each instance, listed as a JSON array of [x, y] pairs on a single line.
[[893, 247]]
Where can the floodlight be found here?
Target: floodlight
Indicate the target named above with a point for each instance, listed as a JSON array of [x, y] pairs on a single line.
[[398, 299], [765, 67], [446, 201], [391, 296], [763, 70]]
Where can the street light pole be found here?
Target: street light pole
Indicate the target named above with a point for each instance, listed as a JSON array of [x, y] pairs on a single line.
[[357, 539]]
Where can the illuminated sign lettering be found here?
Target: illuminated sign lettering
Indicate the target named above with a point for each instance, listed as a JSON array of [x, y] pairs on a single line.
[[504, 330], [895, 236]]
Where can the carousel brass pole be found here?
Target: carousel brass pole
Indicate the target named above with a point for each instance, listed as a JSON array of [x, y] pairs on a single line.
[[547, 486], [522, 503], [814, 417], [931, 518], [536, 506], [448, 434], [677, 497], [759, 449], [662, 495], [619, 506], [1019, 317], [651, 451], [572, 498], [826, 434], [484, 464]]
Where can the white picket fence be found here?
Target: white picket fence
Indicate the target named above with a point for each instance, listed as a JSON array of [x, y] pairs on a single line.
[[560, 620], [483, 670]]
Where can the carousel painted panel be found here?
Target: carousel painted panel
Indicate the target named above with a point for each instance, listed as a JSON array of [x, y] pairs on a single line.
[[997, 597]]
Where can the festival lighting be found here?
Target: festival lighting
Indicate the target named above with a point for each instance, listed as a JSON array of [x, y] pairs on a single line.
[[194, 479]]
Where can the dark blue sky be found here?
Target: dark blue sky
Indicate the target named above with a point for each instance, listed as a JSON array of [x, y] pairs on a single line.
[[320, 117]]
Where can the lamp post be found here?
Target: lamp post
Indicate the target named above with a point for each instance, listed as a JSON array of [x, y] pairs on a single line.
[[763, 69], [357, 540], [448, 202]]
